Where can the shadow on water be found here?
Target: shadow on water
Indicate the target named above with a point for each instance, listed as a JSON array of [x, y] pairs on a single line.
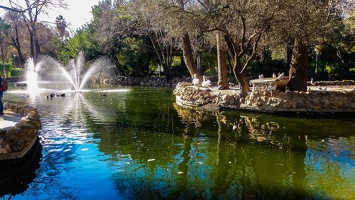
[[278, 156], [16, 175], [139, 144]]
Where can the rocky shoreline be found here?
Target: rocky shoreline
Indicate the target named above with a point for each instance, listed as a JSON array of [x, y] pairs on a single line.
[[16, 141], [337, 98]]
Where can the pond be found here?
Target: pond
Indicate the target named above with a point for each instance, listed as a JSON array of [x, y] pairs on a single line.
[[136, 143]]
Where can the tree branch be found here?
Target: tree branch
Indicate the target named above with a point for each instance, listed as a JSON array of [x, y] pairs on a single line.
[[13, 9]]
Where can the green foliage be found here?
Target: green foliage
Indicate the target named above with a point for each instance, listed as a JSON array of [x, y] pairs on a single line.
[[82, 41], [16, 72], [209, 62], [128, 55], [134, 56], [279, 66], [330, 69], [176, 61], [333, 71], [179, 71], [254, 69], [10, 70]]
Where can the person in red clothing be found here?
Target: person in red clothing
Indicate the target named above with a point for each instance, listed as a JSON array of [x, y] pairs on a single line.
[[1, 105]]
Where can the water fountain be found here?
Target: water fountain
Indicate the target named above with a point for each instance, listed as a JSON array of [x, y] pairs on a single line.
[[32, 75], [73, 73], [77, 77]]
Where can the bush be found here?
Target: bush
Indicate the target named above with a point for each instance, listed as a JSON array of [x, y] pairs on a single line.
[[11, 71], [16, 72]]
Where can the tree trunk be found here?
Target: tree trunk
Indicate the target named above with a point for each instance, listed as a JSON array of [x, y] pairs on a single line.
[[3, 59], [16, 43], [189, 58], [242, 78], [237, 67], [32, 44], [165, 55], [299, 67], [222, 64], [289, 49], [167, 71], [37, 46]]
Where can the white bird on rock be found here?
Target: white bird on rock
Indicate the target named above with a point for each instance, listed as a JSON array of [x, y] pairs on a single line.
[[322, 89], [195, 80], [205, 82], [280, 76]]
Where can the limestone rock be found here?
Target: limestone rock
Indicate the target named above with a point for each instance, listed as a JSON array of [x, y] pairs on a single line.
[[16, 139], [4, 147]]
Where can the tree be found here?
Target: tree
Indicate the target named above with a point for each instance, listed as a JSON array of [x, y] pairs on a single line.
[[61, 27], [31, 10], [3, 36], [242, 24], [306, 23], [47, 37], [15, 30], [222, 63], [185, 25], [81, 41], [153, 23], [109, 29]]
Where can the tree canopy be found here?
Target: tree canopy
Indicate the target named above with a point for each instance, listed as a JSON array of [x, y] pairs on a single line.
[[143, 37]]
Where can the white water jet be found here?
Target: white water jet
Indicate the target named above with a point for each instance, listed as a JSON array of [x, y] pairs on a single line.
[[73, 73], [32, 75], [78, 78]]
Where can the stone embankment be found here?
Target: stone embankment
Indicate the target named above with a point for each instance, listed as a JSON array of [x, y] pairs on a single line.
[[193, 96], [313, 101], [17, 140], [140, 81], [336, 98]]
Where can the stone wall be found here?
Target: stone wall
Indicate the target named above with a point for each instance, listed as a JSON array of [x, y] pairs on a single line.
[[193, 96], [312, 101], [138, 81], [17, 140], [338, 100]]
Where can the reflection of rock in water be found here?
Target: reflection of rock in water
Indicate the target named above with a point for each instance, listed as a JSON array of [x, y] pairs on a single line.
[[286, 133], [15, 176], [192, 118]]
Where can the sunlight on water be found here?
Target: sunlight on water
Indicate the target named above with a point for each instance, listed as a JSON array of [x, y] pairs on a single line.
[[138, 144], [115, 90]]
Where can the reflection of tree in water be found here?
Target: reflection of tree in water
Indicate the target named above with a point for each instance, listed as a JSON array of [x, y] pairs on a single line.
[[232, 167], [247, 170], [192, 119], [204, 163], [291, 136], [330, 167], [266, 174], [227, 155]]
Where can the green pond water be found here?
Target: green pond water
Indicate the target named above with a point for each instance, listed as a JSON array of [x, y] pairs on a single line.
[[136, 143]]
